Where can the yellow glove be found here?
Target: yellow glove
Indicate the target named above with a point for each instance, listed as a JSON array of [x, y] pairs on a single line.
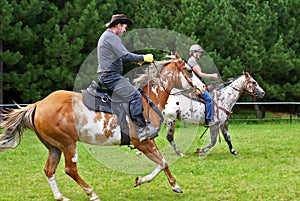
[[148, 58], [140, 63]]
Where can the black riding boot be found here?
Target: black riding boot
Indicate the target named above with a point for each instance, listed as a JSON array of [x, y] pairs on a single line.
[[144, 129]]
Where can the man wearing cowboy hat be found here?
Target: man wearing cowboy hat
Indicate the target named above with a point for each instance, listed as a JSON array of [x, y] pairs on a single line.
[[195, 54], [111, 54]]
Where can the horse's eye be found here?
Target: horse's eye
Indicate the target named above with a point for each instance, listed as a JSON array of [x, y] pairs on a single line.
[[254, 83], [189, 71]]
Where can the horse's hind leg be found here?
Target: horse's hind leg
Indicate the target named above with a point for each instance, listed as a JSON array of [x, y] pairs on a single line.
[[226, 135], [150, 149], [170, 136], [53, 160], [71, 158]]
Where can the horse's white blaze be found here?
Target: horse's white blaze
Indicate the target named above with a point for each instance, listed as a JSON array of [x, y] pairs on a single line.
[[183, 81]]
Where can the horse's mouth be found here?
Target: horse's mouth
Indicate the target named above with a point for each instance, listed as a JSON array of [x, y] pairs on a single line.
[[260, 94]]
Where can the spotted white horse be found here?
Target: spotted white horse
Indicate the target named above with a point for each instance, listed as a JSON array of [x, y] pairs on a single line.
[[189, 110]]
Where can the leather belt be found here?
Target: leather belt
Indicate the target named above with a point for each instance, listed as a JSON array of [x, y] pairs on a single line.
[[107, 72]]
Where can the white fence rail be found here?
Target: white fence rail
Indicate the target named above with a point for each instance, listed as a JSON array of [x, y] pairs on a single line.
[[290, 104]]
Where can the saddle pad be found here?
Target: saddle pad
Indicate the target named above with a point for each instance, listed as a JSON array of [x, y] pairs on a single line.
[[100, 104]]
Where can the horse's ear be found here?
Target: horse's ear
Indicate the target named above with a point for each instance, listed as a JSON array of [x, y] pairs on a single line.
[[246, 74], [176, 55]]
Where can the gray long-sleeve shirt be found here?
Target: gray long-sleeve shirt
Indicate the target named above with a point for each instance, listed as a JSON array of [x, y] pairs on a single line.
[[111, 53]]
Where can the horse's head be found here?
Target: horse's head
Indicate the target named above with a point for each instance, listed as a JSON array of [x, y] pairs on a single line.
[[252, 87], [184, 78], [173, 73]]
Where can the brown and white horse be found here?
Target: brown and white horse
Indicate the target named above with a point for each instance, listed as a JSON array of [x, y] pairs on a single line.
[[193, 111], [61, 119]]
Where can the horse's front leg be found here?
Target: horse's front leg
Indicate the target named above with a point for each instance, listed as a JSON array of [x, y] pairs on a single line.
[[170, 125], [224, 129], [150, 149]]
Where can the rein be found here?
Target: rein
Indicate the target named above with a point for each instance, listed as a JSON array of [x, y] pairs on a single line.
[[150, 103], [185, 76]]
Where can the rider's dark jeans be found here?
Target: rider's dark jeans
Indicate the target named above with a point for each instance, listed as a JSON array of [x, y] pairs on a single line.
[[121, 86], [208, 105]]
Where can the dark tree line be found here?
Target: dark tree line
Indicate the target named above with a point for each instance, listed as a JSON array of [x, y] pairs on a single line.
[[43, 43]]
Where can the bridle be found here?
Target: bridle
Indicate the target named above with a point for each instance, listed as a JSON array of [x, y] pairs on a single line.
[[179, 68], [150, 103], [248, 86]]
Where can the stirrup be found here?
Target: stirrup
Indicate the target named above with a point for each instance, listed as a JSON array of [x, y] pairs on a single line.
[[153, 132], [209, 123], [143, 133]]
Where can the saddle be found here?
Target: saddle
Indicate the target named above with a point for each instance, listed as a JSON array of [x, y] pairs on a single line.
[[98, 98]]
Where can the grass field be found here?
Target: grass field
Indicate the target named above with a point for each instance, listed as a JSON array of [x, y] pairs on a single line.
[[268, 168]]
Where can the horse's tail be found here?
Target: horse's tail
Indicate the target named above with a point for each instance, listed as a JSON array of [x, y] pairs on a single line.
[[13, 125]]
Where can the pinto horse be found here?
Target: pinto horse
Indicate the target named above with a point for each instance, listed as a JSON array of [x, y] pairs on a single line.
[[189, 110], [61, 120]]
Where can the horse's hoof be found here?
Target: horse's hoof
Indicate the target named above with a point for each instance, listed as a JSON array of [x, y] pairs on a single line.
[[234, 152], [176, 188], [197, 151], [94, 198], [138, 181], [62, 198], [179, 153]]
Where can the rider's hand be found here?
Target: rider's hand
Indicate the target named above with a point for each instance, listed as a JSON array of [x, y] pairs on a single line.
[[214, 75], [148, 58], [140, 63], [199, 89]]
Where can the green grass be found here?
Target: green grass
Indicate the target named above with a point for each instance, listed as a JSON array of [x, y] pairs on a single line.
[[268, 168]]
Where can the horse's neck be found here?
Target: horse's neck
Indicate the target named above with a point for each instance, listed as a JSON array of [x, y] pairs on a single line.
[[228, 95], [161, 91], [158, 95]]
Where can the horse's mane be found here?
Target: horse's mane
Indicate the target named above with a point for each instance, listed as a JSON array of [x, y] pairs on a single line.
[[225, 84], [230, 80], [152, 76]]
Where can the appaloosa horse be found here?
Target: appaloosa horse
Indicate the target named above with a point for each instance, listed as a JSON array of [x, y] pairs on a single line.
[[189, 110], [61, 119]]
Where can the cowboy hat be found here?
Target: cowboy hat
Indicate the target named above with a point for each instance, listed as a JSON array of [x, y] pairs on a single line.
[[118, 18]]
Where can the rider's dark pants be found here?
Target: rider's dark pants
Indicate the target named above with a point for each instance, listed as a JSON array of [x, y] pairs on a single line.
[[121, 87]]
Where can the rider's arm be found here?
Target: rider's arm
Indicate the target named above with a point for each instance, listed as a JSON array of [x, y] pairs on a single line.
[[121, 51], [197, 70]]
